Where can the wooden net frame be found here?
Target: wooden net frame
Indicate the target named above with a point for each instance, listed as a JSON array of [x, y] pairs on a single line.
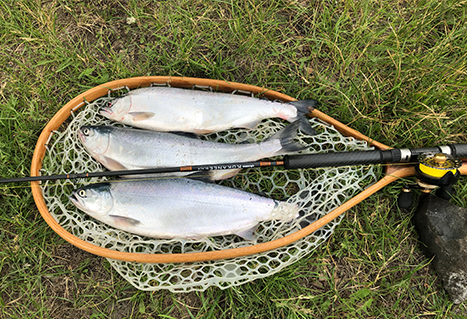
[[392, 172]]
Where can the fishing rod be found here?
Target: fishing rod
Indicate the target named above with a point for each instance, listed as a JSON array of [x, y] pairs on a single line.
[[450, 162]]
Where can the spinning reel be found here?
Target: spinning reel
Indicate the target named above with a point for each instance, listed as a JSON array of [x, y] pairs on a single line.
[[433, 171]]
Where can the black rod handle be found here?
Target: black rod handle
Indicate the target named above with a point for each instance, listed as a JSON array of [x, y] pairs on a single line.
[[459, 150], [368, 157], [336, 159]]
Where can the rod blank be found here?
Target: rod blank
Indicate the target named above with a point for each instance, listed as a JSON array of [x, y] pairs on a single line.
[[193, 168]]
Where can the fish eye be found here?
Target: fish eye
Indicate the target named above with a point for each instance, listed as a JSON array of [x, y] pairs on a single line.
[[86, 131], [109, 104], [82, 193]]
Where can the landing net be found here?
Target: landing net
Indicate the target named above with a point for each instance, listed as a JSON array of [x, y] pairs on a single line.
[[317, 192]]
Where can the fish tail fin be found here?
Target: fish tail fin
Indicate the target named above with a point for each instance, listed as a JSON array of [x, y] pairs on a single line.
[[304, 107], [285, 211], [286, 136]]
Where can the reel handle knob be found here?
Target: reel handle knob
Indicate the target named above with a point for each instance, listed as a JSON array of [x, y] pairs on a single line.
[[405, 199]]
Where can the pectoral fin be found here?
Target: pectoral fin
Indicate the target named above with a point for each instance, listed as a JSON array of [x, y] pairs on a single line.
[[113, 165], [248, 234], [123, 222], [140, 116], [252, 125]]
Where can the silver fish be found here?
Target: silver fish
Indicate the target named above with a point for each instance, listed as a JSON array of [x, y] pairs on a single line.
[[173, 109], [179, 208], [127, 148]]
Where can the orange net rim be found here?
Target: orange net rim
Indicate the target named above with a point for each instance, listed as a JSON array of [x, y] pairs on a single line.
[[392, 172]]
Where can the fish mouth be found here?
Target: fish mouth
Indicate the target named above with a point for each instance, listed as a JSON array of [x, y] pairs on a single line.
[[74, 199], [81, 136], [106, 111]]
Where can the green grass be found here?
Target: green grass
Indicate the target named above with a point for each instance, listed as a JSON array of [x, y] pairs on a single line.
[[394, 70]]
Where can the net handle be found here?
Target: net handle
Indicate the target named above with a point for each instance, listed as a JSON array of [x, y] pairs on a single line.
[[185, 82]]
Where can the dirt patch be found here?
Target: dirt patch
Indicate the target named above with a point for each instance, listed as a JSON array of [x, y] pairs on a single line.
[[75, 272], [85, 284]]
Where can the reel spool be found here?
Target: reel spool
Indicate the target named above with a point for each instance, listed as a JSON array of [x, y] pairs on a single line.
[[433, 171]]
